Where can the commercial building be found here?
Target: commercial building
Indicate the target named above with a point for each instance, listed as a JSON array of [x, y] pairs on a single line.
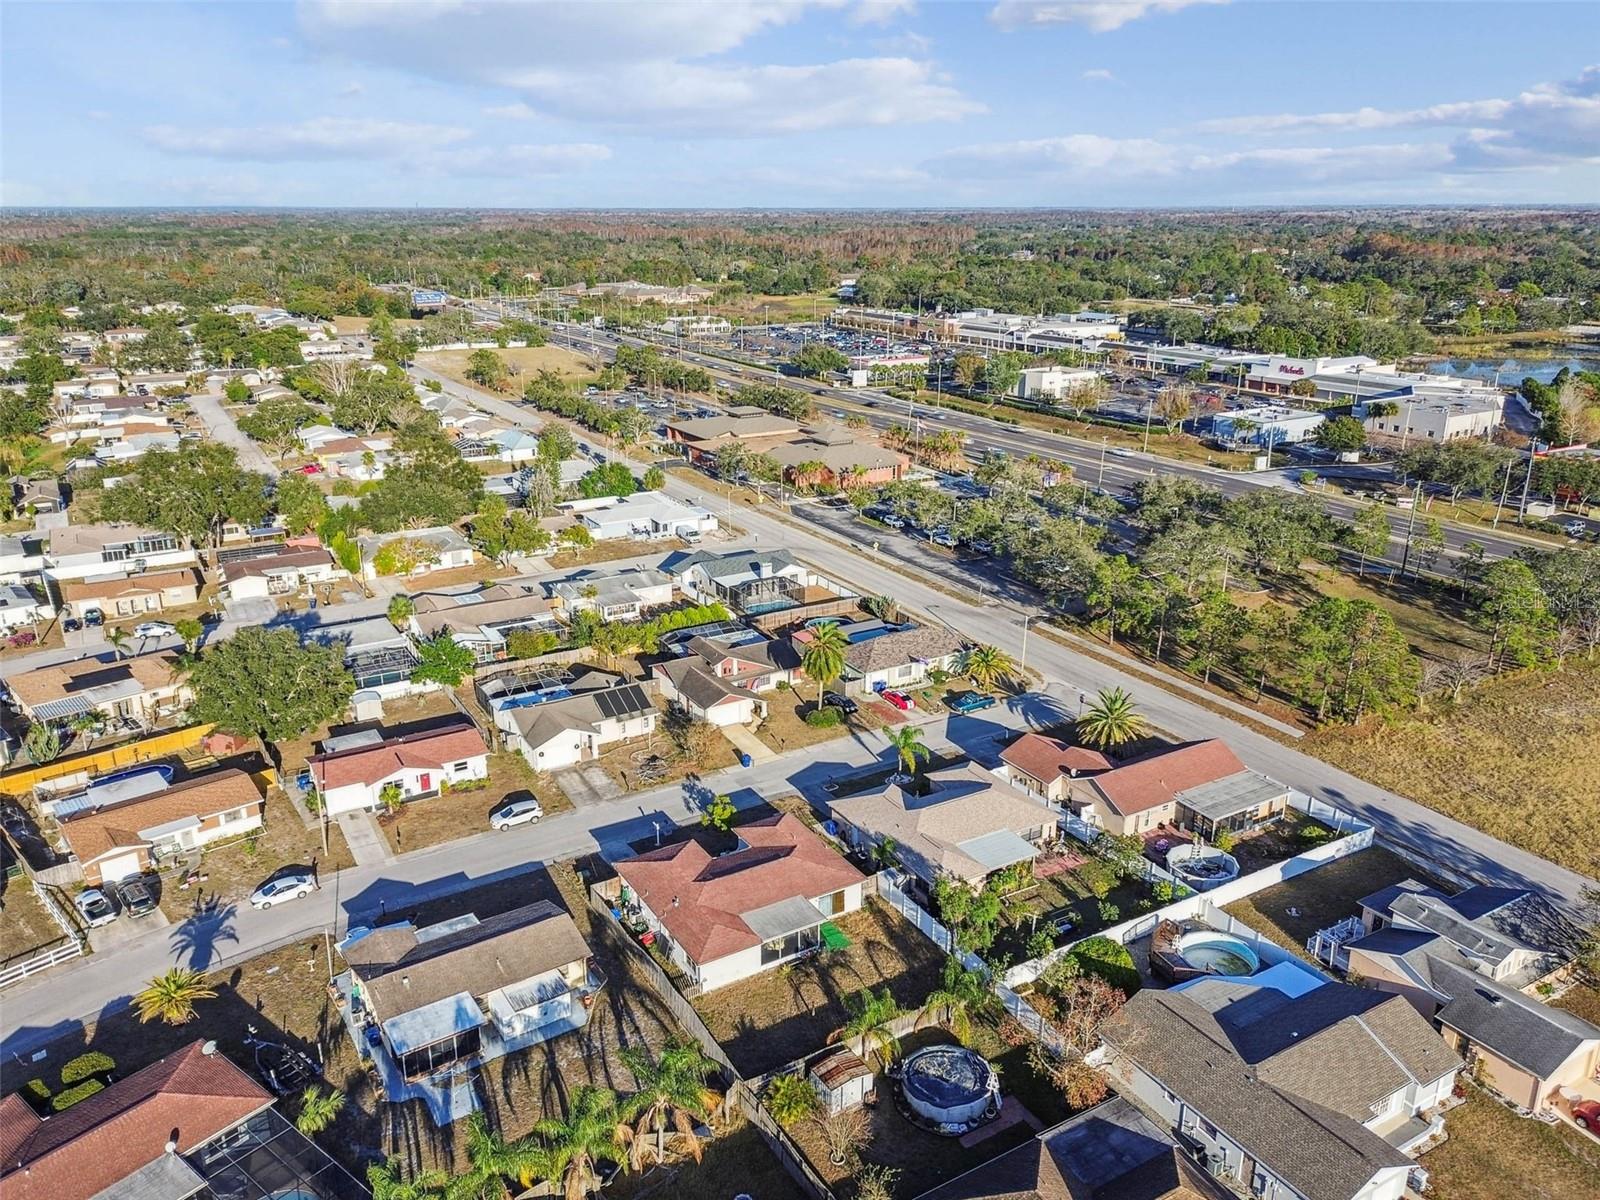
[[699, 325], [1266, 425], [1053, 382], [1435, 420]]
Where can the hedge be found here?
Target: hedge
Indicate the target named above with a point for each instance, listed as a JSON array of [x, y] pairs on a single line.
[[823, 718], [1109, 960], [65, 1100], [87, 1066]]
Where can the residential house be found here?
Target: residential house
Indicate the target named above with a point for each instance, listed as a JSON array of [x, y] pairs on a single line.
[[1472, 963], [624, 595], [276, 570], [125, 595], [961, 822], [412, 552], [20, 607], [82, 551], [1199, 786], [881, 657], [482, 620], [353, 771], [503, 444], [643, 516], [130, 836], [190, 1126], [37, 495], [556, 719], [147, 688], [21, 558], [430, 1006], [379, 656], [1046, 766], [149, 383], [1111, 1152], [1287, 1085], [722, 919], [125, 444], [760, 583], [718, 675]]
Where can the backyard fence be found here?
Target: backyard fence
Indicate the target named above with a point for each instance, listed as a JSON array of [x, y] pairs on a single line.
[[71, 945], [742, 1092]]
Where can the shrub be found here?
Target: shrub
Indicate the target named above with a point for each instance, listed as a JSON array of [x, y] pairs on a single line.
[[433, 385], [1109, 912], [1098, 878], [1163, 892], [1314, 834], [87, 1066], [1225, 841], [790, 1098], [530, 643], [823, 718], [1040, 943], [1107, 960], [37, 1093], [65, 1100], [25, 637]]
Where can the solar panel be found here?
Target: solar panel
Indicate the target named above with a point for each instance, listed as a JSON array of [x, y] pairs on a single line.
[[620, 702]]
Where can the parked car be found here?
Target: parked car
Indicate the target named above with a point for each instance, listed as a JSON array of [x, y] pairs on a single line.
[[894, 522], [135, 897], [968, 702], [95, 907], [516, 812], [843, 703], [1586, 1115], [154, 629], [900, 700], [71, 625], [1575, 529], [983, 547], [941, 537], [293, 885], [93, 618], [310, 469]]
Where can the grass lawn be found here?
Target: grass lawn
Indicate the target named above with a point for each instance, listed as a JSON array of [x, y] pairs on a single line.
[[611, 550], [623, 760], [1493, 1154], [785, 728], [1432, 618], [524, 362], [804, 307], [1321, 897], [1514, 759], [777, 1016], [1582, 1001], [460, 813], [25, 927]]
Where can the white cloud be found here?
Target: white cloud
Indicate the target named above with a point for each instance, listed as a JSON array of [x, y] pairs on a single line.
[[879, 12], [317, 138], [1098, 75], [640, 65], [1097, 16], [511, 112], [514, 162], [352, 89]]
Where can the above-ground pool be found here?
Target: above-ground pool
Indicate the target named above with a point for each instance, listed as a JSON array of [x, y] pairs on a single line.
[[1202, 867], [1217, 953], [949, 1085]]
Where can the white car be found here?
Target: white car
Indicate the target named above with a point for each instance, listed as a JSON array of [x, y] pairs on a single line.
[[1575, 528], [1120, 452], [894, 522], [95, 907], [295, 885], [154, 629], [516, 812]]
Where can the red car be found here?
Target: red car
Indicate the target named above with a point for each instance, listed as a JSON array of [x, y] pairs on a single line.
[[900, 700], [1586, 1114], [310, 469]]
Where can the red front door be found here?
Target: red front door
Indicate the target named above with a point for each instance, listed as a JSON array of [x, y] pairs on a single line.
[[424, 782]]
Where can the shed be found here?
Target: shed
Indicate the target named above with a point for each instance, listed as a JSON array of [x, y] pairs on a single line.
[[842, 1080]]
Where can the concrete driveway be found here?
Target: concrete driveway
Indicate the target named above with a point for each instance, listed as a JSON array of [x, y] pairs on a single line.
[[221, 427]]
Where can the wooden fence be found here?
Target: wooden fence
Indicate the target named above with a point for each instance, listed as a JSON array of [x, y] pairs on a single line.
[[741, 1092], [107, 758]]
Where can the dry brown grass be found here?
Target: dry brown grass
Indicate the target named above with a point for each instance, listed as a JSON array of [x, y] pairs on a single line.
[[459, 814], [785, 728], [1493, 1154], [1515, 759], [25, 927], [524, 362], [1582, 1001]]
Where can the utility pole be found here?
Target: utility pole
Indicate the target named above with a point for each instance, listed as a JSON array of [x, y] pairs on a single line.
[[1100, 479], [1149, 411], [1023, 665], [1416, 502], [1527, 480], [1505, 486]]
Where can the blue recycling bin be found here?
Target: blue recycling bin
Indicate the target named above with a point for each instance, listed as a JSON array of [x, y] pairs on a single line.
[[744, 759]]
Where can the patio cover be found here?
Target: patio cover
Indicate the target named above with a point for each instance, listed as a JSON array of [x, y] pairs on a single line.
[[774, 921], [1222, 798], [998, 849], [433, 1023]]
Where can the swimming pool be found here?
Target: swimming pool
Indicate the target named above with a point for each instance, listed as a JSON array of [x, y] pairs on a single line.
[[950, 1085], [1218, 953]]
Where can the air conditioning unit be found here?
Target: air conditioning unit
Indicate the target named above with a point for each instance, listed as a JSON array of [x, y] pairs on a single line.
[[1217, 1164]]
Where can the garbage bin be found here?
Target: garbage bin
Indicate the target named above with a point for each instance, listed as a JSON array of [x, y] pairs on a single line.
[[744, 759]]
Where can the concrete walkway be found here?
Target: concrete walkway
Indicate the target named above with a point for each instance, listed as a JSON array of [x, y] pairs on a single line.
[[748, 743], [367, 844]]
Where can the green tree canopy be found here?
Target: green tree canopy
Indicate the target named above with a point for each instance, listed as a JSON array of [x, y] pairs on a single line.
[[191, 492], [264, 682]]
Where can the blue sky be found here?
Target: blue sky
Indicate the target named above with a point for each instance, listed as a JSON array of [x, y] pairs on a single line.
[[794, 103]]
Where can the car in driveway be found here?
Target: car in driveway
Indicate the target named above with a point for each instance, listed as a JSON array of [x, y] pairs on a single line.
[[900, 700], [154, 629], [1586, 1115], [842, 702], [95, 907], [968, 702], [309, 469], [135, 897], [516, 812], [292, 885]]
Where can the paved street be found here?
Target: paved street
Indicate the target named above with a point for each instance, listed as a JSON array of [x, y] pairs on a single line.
[[221, 427]]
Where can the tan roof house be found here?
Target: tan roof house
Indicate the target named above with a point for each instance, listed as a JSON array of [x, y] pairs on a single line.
[[147, 688], [124, 595], [1046, 766], [1201, 786]]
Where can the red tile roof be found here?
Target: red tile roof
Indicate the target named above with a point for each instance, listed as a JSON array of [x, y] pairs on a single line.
[[784, 860], [98, 1142], [1047, 758], [1156, 779], [371, 764]]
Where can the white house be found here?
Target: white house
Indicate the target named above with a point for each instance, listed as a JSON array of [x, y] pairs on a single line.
[[19, 607], [727, 918], [353, 771], [414, 552], [279, 570], [615, 595], [646, 516], [79, 551], [557, 721]]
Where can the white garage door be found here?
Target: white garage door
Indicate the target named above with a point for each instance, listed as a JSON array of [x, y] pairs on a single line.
[[120, 867]]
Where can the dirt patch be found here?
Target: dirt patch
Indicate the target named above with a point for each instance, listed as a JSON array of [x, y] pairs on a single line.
[[523, 362], [26, 928], [1514, 759], [611, 550], [785, 728]]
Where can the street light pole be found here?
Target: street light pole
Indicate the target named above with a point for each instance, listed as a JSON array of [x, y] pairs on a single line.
[[1149, 411], [1100, 479]]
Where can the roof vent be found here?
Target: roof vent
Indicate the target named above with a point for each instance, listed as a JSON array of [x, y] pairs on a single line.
[[209, 1049], [405, 981]]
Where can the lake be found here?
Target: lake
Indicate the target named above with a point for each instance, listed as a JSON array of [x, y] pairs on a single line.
[[1513, 371]]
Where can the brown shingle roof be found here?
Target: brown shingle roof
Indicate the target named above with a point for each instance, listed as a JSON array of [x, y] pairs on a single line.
[[370, 764], [152, 672], [129, 585], [1047, 759], [278, 560], [701, 901], [923, 644], [100, 1141], [1156, 779], [98, 831]]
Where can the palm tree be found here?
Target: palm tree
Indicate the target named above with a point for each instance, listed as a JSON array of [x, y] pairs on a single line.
[[118, 637], [987, 666], [318, 1110], [172, 996], [573, 1148], [491, 1161], [790, 1098], [823, 657], [908, 746], [384, 1179], [961, 995], [1112, 720], [671, 1089], [870, 1015]]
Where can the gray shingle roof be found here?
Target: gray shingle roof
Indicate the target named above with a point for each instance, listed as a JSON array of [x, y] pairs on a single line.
[[1513, 1025], [923, 644]]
